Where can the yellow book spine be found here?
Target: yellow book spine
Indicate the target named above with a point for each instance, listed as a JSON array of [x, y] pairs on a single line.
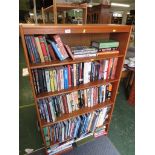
[[39, 49]]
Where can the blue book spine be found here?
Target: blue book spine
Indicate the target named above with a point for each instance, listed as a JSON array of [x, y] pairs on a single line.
[[77, 128], [100, 94], [56, 50], [65, 78], [29, 49], [36, 55]]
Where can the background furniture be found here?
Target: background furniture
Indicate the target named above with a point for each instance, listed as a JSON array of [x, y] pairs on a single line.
[[61, 7], [99, 14]]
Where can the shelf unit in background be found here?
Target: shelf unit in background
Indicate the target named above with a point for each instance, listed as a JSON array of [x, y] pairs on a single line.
[[79, 35]]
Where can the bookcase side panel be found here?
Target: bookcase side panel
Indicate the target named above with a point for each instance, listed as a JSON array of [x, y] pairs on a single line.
[[30, 78]]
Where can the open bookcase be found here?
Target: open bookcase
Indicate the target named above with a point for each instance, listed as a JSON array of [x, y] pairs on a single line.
[[75, 35]]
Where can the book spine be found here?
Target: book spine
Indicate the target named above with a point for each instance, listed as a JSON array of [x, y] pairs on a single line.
[[47, 51], [52, 80], [55, 80], [65, 78], [106, 62], [109, 68], [69, 76], [30, 53], [35, 49], [47, 75], [39, 49], [43, 47], [74, 70], [51, 52], [62, 78], [60, 46], [114, 68]]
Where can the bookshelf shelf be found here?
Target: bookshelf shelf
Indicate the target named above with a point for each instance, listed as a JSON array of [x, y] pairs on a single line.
[[75, 35], [80, 87], [68, 61], [77, 113]]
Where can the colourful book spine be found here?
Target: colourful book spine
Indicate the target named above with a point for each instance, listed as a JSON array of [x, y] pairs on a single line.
[[52, 53], [47, 75], [35, 49], [74, 74], [114, 68], [45, 43], [52, 110], [87, 72], [39, 49], [52, 80], [62, 78], [69, 76], [43, 47], [56, 49], [55, 80], [60, 46], [109, 68], [106, 62], [65, 78], [30, 53]]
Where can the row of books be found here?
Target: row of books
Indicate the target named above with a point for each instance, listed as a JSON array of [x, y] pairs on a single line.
[[52, 107], [44, 49], [41, 49], [58, 78], [75, 127]]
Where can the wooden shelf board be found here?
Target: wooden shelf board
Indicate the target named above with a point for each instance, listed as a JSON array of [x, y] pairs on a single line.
[[67, 61], [74, 28], [76, 88], [77, 113]]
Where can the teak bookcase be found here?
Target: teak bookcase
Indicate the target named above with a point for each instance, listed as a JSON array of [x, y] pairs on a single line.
[[74, 35]]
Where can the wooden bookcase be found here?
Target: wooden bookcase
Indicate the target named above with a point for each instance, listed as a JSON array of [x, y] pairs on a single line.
[[74, 35]]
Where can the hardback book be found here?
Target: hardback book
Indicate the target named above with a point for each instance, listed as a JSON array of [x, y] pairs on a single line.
[[55, 80], [60, 46], [56, 49], [69, 76], [46, 46], [30, 52], [65, 104], [52, 53], [34, 48], [87, 72], [114, 68], [107, 52], [43, 47], [39, 49], [69, 51], [105, 70], [74, 74], [65, 78], [109, 68], [69, 103], [52, 80], [52, 109], [105, 43], [47, 75]]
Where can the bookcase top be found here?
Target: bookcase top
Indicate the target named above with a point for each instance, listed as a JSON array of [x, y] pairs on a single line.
[[70, 28]]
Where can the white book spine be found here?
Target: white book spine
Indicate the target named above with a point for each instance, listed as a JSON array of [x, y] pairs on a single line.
[[47, 75], [105, 69], [74, 70], [87, 70]]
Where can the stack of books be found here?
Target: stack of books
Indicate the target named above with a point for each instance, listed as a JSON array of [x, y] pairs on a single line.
[[58, 78], [75, 127], [83, 51], [105, 46], [52, 107]]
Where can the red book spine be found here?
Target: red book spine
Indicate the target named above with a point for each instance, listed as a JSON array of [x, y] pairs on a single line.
[[52, 53], [109, 68], [43, 47], [65, 104], [61, 46], [114, 68], [69, 76]]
